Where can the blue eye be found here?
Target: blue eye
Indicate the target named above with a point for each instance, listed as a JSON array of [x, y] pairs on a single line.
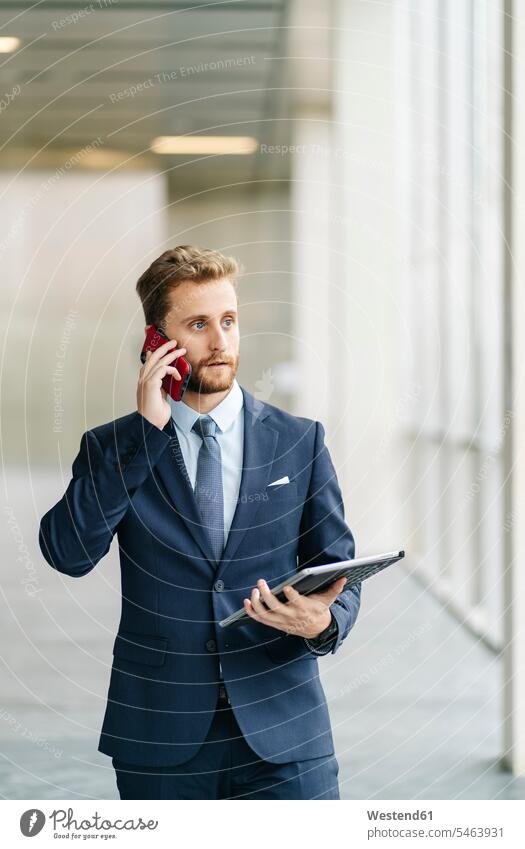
[[202, 323]]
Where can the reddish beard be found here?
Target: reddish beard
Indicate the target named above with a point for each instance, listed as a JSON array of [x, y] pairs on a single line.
[[207, 381]]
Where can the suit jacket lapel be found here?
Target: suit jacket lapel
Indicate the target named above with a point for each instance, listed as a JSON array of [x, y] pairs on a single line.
[[171, 474], [260, 444]]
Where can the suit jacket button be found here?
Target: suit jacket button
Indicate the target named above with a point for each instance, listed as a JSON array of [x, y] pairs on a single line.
[[219, 586], [211, 645]]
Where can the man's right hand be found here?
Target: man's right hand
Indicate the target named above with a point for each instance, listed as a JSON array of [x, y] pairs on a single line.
[[152, 400]]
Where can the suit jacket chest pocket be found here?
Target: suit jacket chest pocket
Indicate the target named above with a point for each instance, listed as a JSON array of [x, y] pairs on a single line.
[[282, 492]]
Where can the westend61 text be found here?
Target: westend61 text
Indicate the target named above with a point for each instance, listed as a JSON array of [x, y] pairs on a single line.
[[399, 815]]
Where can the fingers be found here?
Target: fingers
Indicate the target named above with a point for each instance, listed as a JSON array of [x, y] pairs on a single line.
[[168, 357], [334, 589], [249, 608], [162, 350], [264, 606], [157, 358], [291, 594], [255, 608], [267, 596], [329, 595], [256, 603], [160, 371]]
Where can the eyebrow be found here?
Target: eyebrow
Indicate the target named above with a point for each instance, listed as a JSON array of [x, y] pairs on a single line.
[[195, 317]]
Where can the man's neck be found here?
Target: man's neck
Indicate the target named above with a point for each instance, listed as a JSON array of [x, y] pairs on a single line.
[[204, 402]]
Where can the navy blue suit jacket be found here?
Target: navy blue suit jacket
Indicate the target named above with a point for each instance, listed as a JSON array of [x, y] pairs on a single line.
[[129, 480]]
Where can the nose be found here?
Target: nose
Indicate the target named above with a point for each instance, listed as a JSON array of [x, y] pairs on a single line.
[[218, 338]]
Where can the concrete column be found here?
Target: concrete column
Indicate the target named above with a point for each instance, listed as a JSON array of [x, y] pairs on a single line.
[[364, 249], [313, 328], [514, 330]]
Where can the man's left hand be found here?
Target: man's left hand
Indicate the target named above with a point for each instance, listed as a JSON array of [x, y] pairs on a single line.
[[302, 615]]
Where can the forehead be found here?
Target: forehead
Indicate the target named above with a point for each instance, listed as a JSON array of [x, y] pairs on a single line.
[[210, 298]]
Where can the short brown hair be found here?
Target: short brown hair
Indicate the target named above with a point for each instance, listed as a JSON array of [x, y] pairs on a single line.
[[180, 265]]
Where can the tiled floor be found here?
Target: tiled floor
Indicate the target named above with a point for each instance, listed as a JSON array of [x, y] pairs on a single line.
[[414, 699]]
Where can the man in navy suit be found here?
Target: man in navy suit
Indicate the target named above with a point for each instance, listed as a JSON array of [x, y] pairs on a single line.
[[214, 500]]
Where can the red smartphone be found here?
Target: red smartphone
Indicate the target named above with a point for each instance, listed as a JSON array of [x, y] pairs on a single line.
[[155, 337]]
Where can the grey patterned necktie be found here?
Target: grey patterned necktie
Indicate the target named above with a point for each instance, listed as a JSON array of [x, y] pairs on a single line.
[[208, 483]]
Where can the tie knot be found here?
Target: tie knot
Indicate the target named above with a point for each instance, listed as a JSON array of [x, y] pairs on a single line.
[[204, 426]]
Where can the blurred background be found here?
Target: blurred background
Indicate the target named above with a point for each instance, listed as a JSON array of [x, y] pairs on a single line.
[[362, 160]]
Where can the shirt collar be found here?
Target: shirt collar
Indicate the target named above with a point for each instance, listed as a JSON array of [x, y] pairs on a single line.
[[223, 414]]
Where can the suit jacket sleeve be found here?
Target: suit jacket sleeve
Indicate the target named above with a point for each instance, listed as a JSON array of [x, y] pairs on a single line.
[[326, 538], [77, 532], [324, 642]]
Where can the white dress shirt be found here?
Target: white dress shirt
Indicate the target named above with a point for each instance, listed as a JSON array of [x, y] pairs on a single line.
[[228, 415]]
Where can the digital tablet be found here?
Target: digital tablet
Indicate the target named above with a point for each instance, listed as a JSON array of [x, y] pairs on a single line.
[[313, 579]]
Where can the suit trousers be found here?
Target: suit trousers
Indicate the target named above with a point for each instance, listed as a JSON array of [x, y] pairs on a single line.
[[225, 767]]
